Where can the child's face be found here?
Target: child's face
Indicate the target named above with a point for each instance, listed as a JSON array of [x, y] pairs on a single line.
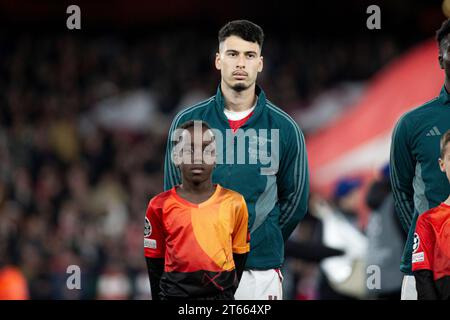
[[444, 163], [199, 155]]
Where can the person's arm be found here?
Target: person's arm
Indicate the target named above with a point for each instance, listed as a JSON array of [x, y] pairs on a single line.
[[155, 268], [402, 164], [425, 285], [422, 260], [310, 251], [240, 238], [154, 248], [239, 263], [292, 180]]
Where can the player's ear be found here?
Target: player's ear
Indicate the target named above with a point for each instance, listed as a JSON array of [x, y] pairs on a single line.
[[441, 165], [261, 64], [217, 61], [177, 149], [176, 158]]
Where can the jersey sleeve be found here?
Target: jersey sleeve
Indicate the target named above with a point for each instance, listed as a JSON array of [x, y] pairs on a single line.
[[422, 257], [402, 166], [154, 239], [293, 180], [241, 235]]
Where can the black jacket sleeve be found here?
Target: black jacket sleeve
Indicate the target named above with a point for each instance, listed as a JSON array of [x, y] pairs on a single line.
[[310, 251], [155, 269], [425, 285], [239, 262]]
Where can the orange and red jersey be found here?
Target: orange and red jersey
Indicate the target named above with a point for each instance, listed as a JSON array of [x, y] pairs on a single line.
[[431, 249], [197, 241]]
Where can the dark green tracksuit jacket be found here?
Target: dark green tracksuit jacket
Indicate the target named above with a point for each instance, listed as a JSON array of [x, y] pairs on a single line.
[[275, 187], [417, 182]]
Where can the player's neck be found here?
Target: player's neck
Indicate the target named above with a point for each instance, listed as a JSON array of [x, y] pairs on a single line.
[[447, 202], [204, 188], [447, 84], [238, 101]]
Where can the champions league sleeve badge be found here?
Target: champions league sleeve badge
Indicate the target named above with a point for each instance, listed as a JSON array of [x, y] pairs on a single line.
[[147, 228], [416, 242]]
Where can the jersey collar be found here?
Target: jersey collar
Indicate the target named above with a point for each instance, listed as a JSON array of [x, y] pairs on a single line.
[[208, 201], [260, 105], [444, 96]]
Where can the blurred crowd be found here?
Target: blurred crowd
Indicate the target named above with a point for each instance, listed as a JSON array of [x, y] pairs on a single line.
[[83, 127], [349, 261]]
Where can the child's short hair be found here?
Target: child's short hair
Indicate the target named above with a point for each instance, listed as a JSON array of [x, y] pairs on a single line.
[[445, 139], [190, 124]]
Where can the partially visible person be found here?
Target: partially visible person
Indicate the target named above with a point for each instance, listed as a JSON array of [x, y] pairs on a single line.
[[343, 277], [386, 238], [417, 182], [304, 251], [196, 237], [275, 183], [431, 250]]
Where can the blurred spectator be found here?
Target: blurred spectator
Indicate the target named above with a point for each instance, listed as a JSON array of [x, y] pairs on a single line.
[[343, 277], [386, 238], [114, 284], [304, 251]]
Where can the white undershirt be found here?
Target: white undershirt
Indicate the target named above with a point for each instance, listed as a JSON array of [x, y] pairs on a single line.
[[239, 115]]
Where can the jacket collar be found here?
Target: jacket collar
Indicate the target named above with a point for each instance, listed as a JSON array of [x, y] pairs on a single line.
[[444, 96], [260, 105]]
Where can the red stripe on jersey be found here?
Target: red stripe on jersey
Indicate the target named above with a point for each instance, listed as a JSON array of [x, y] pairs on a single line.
[[236, 124]]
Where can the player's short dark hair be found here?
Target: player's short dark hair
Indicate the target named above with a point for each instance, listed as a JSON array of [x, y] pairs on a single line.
[[443, 31], [244, 29], [445, 140]]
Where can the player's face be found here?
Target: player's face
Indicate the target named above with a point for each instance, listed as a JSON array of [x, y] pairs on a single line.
[[444, 162], [239, 62], [199, 155], [351, 201], [444, 55]]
